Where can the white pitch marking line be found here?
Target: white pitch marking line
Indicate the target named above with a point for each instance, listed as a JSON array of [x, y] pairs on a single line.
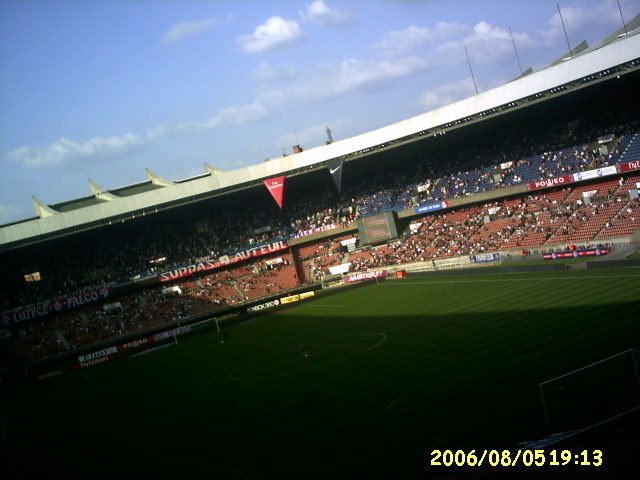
[[237, 472], [429, 282], [391, 404], [86, 376]]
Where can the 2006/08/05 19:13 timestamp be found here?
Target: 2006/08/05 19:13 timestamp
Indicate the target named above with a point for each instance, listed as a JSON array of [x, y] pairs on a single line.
[[508, 458]]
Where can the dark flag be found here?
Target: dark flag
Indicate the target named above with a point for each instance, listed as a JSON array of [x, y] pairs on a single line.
[[335, 169]]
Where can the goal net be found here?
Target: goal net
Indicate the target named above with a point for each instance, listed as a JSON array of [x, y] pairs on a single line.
[[593, 393]]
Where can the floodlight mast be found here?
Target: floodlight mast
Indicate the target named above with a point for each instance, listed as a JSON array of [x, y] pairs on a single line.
[[471, 69], [626, 34], [515, 50], [565, 31]]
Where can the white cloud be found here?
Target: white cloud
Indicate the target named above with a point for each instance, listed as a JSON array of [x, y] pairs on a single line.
[[243, 114], [446, 94], [10, 213], [235, 115], [65, 150], [578, 18], [332, 80], [268, 73], [318, 12], [357, 73], [403, 41], [157, 132], [275, 32], [184, 29], [486, 44]]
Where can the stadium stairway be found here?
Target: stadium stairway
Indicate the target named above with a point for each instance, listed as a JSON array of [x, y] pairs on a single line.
[[234, 284], [631, 152], [60, 336], [298, 263]]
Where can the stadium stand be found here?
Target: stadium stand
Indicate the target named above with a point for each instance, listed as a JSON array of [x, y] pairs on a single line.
[[547, 221], [482, 169]]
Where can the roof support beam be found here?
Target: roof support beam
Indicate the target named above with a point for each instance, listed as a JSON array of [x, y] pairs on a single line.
[[99, 192], [212, 170], [157, 180], [42, 209]]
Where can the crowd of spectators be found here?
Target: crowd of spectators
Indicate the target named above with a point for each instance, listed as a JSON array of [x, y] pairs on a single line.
[[548, 219], [535, 217], [97, 259], [150, 307], [94, 323]]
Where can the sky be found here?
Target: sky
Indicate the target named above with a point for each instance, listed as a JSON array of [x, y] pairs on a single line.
[[102, 90]]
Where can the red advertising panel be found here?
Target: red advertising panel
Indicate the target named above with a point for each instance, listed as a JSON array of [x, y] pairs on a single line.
[[94, 361], [364, 276], [628, 166], [591, 252], [275, 186], [550, 182]]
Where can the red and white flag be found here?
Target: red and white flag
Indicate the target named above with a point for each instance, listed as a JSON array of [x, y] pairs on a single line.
[[275, 186]]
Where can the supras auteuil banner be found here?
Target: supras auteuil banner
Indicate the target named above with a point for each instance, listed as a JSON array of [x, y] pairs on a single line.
[[214, 264]]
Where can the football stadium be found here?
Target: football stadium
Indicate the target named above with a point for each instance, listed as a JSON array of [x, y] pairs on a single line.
[[455, 295]]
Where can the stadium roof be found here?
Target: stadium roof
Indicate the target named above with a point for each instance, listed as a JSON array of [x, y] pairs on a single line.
[[617, 55]]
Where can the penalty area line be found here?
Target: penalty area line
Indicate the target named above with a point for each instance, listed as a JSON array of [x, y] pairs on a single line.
[[237, 472], [391, 404], [610, 419], [87, 376]]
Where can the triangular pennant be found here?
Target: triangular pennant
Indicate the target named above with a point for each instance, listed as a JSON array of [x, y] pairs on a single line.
[[275, 186], [335, 170]]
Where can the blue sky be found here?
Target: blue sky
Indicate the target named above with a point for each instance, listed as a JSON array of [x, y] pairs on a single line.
[[107, 88]]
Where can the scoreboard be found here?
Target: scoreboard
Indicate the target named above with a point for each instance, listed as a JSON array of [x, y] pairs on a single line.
[[377, 228]]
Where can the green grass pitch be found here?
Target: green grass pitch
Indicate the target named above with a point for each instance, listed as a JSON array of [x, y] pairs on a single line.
[[393, 370]]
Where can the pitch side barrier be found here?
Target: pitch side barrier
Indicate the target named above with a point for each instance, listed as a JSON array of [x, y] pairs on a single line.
[[353, 280], [489, 270]]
